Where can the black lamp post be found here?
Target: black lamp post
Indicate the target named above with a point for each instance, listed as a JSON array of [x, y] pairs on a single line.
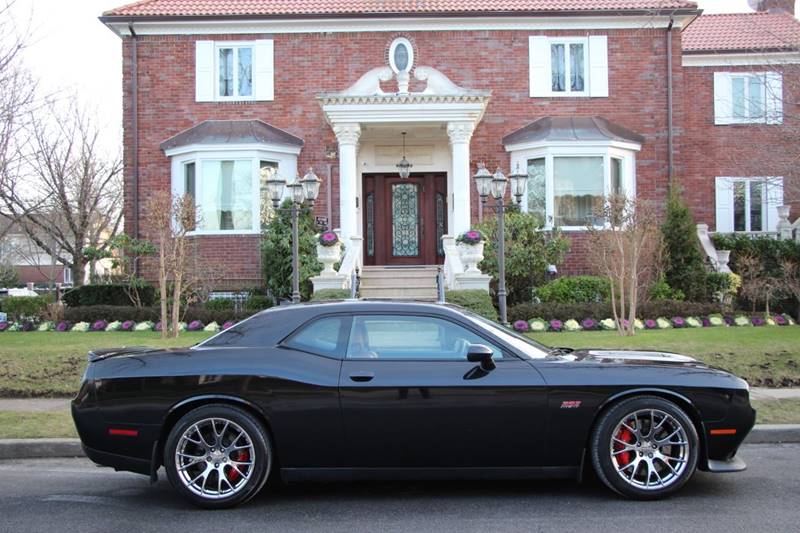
[[303, 194], [496, 186]]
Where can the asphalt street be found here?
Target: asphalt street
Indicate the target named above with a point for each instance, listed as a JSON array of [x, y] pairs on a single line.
[[53, 495]]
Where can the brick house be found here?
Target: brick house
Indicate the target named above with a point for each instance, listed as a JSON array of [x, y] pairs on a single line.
[[585, 96]]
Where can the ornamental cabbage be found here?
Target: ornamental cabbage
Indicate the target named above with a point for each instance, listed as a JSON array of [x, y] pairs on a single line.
[[538, 324], [742, 320], [212, 327], [663, 323], [143, 326], [572, 325], [81, 327], [694, 322]]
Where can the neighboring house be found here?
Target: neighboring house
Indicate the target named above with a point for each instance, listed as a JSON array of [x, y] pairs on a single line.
[[578, 94], [32, 264]]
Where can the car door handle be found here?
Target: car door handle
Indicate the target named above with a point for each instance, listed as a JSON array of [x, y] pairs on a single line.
[[362, 376]]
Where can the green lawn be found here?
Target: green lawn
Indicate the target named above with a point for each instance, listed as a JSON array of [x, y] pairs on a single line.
[[765, 356], [51, 363]]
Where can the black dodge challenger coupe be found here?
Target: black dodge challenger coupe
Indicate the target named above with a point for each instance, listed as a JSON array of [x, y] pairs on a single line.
[[380, 390]]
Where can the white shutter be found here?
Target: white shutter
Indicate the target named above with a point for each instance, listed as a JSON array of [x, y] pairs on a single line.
[[724, 189], [723, 99], [264, 70], [774, 84], [539, 65], [204, 71], [598, 66], [774, 194]]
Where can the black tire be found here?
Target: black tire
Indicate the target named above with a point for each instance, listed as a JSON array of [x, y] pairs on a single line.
[[676, 473], [259, 445]]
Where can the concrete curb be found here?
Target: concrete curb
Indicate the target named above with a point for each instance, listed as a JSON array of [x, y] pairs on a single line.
[[50, 448]]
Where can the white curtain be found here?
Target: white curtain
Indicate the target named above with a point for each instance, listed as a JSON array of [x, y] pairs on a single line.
[[226, 195], [578, 188]]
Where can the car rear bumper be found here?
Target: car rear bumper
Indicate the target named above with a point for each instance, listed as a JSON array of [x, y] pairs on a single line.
[[118, 462]]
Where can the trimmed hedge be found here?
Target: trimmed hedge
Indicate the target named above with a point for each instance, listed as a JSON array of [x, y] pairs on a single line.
[[257, 302], [19, 307], [122, 313], [602, 310], [112, 294], [330, 294], [476, 300], [575, 290]]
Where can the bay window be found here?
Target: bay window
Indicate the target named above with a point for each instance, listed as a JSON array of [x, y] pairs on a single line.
[[567, 185], [229, 187]]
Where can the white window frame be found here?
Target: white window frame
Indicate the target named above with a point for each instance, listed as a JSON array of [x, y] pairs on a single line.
[[566, 41], [772, 98], [771, 197], [284, 156], [626, 152], [236, 46]]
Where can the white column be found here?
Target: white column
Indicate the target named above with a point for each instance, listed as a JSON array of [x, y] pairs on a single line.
[[347, 135], [459, 182]]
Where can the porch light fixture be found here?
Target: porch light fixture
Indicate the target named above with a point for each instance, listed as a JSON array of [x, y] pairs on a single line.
[[303, 193], [310, 184], [518, 182], [483, 181], [404, 167], [496, 186], [275, 187]]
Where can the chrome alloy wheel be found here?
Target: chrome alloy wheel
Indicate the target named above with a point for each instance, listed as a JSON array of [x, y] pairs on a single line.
[[649, 449], [214, 458]]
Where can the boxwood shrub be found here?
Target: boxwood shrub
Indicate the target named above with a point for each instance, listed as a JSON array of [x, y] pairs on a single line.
[[19, 307], [111, 294], [575, 290], [476, 300], [330, 294]]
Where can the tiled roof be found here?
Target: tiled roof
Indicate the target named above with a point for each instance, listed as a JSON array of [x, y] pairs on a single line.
[[195, 8], [742, 32]]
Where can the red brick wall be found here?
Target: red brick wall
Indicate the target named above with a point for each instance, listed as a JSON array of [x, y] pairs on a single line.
[[736, 150], [307, 64]]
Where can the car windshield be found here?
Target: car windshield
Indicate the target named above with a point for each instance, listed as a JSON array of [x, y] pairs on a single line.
[[528, 347]]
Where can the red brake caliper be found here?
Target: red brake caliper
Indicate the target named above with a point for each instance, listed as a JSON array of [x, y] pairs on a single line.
[[233, 474], [625, 457]]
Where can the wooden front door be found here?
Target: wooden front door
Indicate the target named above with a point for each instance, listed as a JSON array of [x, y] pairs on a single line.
[[404, 219]]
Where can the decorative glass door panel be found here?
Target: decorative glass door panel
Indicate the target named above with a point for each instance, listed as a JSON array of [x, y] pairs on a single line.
[[405, 220]]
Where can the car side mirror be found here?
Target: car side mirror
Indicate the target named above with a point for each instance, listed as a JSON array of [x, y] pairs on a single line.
[[480, 353]]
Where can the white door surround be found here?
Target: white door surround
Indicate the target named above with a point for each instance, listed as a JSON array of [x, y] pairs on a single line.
[[443, 105]]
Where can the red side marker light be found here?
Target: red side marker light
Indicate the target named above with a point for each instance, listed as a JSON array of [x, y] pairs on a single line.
[[723, 432], [123, 432]]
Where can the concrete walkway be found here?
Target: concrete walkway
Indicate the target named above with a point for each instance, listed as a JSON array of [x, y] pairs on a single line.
[[59, 404]]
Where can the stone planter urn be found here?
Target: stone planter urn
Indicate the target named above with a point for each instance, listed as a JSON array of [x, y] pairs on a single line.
[[723, 256], [329, 256], [471, 255]]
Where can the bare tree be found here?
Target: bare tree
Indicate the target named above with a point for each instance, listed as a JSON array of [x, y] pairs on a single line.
[[17, 98], [627, 252], [173, 218], [68, 194]]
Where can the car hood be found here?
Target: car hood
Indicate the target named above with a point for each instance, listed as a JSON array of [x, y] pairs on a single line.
[[632, 357]]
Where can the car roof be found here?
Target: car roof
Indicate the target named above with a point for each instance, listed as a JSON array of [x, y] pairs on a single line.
[[372, 305]]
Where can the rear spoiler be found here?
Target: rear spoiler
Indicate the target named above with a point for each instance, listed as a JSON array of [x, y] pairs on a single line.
[[105, 353]]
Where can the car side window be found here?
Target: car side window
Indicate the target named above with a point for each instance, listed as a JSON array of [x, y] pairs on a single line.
[[411, 337], [325, 336]]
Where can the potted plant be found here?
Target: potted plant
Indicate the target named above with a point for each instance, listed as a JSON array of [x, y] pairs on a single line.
[[470, 249], [329, 252]]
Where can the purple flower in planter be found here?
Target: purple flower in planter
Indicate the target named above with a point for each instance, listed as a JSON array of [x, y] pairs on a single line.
[[678, 322], [758, 321], [128, 325], [650, 324], [228, 324], [27, 326], [779, 320], [521, 325], [99, 325], [3, 326], [589, 324], [195, 325], [706, 322], [328, 238], [730, 320], [64, 325], [556, 325]]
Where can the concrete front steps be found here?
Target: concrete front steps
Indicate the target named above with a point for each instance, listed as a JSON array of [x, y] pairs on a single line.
[[399, 283]]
